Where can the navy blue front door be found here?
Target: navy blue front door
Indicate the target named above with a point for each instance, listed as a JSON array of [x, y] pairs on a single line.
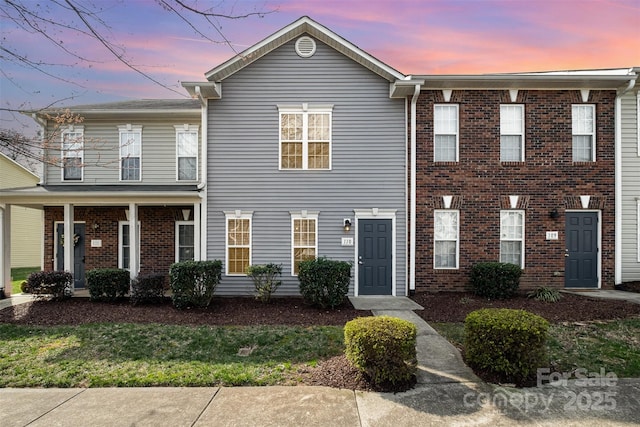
[[581, 252], [374, 257], [78, 253]]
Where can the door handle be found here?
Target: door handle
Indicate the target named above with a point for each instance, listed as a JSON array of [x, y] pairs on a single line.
[[566, 252], [360, 262]]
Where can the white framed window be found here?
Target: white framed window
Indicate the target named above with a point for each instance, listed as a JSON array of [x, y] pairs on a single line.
[[186, 152], [445, 133], [185, 241], [583, 124], [130, 152], [124, 244], [305, 137], [72, 153], [512, 237], [511, 133], [238, 242], [304, 238], [446, 236]]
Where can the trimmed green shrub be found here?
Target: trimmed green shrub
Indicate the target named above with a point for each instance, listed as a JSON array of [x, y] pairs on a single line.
[[107, 284], [148, 289], [265, 279], [383, 348], [194, 282], [324, 282], [495, 280], [24, 287], [509, 345], [545, 294], [57, 284]]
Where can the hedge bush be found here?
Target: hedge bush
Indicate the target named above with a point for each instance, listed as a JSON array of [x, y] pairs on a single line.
[[57, 284], [107, 284], [265, 279], [383, 348], [508, 344], [194, 282], [495, 280], [148, 289], [324, 282]]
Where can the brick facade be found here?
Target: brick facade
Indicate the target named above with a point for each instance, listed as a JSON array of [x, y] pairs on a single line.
[[480, 183], [157, 235]]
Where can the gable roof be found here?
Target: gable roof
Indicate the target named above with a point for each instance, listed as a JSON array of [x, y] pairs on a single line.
[[304, 25], [11, 164]]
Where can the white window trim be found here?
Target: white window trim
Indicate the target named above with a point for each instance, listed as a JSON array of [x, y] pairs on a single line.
[[120, 247], [305, 109], [72, 129], [457, 267], [524, 233], [177, 238], [522, 144], [457, 107], [187, 128], [592, 134], [129, 129], [237, 215], [295, 215]]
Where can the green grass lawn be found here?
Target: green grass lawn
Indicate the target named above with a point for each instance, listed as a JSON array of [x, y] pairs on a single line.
[[120, 354], [19, 275], [612, 345]]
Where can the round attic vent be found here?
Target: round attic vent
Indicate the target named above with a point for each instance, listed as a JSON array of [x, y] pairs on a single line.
[[305, 47]]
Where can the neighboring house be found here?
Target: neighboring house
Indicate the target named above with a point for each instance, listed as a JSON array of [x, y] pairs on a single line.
[[26, 228], [628, 180]]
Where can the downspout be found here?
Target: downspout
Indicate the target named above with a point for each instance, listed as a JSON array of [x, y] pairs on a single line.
[[618, 182], [413, 179], [203, 174]]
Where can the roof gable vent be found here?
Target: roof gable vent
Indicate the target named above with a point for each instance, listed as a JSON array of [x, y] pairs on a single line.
[[305, 47]]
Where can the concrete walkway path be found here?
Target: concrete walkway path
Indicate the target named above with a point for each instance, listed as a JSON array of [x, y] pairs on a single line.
[[610, 294]]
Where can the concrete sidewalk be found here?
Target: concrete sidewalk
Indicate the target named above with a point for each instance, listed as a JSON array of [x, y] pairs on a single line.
[[609, 294]]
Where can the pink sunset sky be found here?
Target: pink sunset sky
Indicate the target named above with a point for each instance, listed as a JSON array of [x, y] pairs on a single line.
[[412, 36]]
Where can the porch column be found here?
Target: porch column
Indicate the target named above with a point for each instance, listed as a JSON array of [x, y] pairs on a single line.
[[5, 249], [134, 249], [196, 232], [68, 238]]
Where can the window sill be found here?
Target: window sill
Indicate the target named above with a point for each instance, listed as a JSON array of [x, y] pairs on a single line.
[[512, 163]]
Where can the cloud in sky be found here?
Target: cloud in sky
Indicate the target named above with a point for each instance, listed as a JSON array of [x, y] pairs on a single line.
[[413, 36]]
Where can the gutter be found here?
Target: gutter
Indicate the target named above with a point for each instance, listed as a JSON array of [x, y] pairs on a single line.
[[618, 181], [413, 207]]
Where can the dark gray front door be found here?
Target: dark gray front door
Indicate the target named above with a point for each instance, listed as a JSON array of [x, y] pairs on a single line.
[[581, 253], [374, 256], [78, 253]]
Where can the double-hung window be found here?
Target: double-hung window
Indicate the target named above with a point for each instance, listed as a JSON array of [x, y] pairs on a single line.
[[187, 152], [130, 152], [238, 241], [446, 236], [72, 153], [512, 237], [445, 133], [124, 244], [185, 241], [583, 123], [511, 133], [305, 137], [304, 241]]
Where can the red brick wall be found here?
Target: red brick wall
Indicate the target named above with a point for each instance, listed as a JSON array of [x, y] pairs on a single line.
[[481, 184], [157, 235]]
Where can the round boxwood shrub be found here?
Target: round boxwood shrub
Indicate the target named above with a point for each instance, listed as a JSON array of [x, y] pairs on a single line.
[[383, 348], [324, 282], [107, 284], [495, 280], [508, 345]]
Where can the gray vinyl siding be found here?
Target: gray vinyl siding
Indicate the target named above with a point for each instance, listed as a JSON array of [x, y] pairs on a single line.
[[368, 159], [101, 150], [630, 188]]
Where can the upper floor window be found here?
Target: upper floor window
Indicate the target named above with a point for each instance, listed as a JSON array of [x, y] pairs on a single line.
[[583, 123], [304, 245], [445, 133], [446, 235], [72, 153], [512, 237], [185, 241], [305, 137], [187, 152], [238, 242], [511, 133], [130, 152]]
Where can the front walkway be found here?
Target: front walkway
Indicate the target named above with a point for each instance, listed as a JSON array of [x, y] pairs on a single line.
[[610, 294]]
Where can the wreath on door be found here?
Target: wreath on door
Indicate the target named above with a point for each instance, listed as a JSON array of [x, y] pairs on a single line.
[[76, 239]]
